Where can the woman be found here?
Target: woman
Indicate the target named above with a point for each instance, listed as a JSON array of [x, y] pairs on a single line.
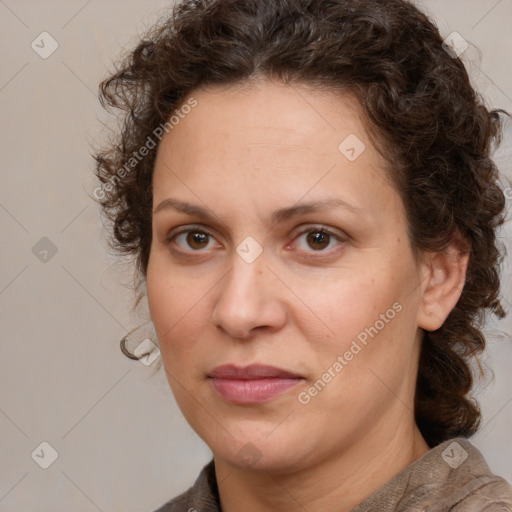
[[308, 190]]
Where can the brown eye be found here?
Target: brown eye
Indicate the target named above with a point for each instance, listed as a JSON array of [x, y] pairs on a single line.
[[318, 240], [197, 239], [191, 240]]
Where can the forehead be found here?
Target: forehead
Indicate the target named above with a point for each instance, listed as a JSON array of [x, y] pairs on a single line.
[[263, 121], [272, 140], [268, 106]]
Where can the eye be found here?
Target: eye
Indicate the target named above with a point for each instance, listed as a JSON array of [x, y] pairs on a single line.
[[317, 239], [191, 239]]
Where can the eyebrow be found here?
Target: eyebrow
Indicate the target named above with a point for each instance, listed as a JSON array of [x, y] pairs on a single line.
[[280, 215]]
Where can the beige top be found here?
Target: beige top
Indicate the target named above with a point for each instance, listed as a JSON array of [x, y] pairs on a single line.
[[452, 477]]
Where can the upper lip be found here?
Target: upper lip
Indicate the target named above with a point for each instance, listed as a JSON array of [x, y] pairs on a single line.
[[251, 372]]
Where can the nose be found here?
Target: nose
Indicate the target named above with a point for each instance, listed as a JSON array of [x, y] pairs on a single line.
[[249, 300]]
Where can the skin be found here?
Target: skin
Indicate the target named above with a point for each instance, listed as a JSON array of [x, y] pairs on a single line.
[[242, 153]]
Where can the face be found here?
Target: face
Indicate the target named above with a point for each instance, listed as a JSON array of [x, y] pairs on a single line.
[[281, 283]]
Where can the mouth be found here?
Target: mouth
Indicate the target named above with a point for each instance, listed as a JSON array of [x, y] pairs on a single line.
[[253, 384]]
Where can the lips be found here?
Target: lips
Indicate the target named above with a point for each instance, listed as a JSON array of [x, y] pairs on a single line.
[[251, 372], [252, 384]]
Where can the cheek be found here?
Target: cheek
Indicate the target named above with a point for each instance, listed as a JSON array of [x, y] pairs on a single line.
[[345, 304], [174, 308], [360, 306]]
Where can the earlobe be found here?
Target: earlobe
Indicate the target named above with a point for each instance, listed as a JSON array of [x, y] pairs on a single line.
[[444, 275]]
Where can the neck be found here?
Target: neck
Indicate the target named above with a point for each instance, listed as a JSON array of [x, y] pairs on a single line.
[[339, 484]]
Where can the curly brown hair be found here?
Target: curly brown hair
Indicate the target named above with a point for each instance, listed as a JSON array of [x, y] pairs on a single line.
[[420, 110]]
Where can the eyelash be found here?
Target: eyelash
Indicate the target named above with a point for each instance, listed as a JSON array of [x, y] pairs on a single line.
[[323, 230], [190, 229], [309, 229]]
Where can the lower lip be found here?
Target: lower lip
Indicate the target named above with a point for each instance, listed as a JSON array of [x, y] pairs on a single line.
[[254, 391]]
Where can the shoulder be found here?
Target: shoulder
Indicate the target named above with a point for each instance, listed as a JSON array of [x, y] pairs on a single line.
[[477, 488], [201, 497], [495, 496], [461, 480], [479, 495], [474, 487], [452, 476]]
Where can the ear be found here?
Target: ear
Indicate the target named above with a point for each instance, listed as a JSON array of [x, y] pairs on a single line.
[[444, 275]]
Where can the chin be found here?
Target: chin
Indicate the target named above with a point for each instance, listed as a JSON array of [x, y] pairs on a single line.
[[252, 448]]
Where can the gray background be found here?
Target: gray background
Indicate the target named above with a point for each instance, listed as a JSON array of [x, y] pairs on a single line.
[[122, 443]]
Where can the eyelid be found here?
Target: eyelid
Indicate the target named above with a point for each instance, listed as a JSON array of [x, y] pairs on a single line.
[[311, 228], [185, 229], [308, 228]]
